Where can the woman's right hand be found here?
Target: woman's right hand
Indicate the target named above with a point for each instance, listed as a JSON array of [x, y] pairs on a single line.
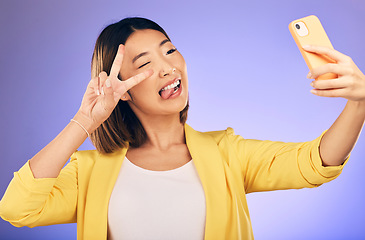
[[104, 92]]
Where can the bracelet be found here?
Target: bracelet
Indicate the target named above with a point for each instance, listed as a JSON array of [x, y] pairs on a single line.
[[73, 120]]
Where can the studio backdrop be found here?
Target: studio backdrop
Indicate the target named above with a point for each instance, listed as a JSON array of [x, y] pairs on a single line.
[[245, 72]]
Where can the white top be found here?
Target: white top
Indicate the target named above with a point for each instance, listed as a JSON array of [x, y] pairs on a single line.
[[158, 205]]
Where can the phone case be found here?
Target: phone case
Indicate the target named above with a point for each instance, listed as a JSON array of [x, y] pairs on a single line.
[[316, 36]]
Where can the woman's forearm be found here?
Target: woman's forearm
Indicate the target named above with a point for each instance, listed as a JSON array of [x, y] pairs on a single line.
[[48, 162], [341, 137]]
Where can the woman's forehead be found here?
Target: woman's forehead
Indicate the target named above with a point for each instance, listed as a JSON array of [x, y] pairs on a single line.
[[143, 40]]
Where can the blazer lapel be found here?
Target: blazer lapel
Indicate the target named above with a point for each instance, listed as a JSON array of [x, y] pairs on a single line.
[[209, 165], [103, 177]]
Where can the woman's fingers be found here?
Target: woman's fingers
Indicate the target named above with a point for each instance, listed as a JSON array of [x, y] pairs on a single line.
[[338, 69], [351, 81], [133, 81], [329, 52], [330, 84], [92, 86], [111, 86], [117, 63], [330, 92], [101, 82], [109, 103]]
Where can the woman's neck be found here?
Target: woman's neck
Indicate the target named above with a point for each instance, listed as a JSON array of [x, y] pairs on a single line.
[[163, 132]]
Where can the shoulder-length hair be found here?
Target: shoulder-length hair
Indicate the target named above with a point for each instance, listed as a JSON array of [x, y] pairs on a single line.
[[123, 126]]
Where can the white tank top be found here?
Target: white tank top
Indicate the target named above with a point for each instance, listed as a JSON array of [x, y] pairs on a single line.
[[157, 205]]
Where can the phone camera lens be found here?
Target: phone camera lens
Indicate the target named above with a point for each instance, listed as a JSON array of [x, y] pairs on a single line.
[[297, 26]]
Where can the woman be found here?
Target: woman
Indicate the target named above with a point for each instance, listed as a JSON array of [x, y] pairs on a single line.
[[154, 177]]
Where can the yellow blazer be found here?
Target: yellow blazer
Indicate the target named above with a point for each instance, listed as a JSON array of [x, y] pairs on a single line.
[[228, 166]]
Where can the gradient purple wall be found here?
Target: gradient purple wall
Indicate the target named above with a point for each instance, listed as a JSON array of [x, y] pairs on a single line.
[[245, 72]]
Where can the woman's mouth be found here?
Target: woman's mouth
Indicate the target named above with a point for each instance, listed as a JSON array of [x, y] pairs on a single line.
[[170, 89]]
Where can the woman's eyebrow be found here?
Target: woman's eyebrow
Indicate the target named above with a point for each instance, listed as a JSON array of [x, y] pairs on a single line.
[[138, 56], [164, 41], [145, 53]]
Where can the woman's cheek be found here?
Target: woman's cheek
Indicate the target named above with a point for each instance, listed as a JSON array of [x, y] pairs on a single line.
[[182, 62]]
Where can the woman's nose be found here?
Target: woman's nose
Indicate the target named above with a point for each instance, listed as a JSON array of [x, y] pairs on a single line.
[[167, 70]]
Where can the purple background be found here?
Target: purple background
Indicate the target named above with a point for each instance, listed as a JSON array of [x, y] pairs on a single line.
[[245, 72]]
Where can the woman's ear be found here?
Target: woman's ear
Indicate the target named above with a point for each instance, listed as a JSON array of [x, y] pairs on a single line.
[[126, 97]]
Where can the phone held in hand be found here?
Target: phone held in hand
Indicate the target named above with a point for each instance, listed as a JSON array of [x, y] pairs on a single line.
[[309, 31]]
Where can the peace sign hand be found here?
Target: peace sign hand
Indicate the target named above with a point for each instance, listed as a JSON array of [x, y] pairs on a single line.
[[104, 92]]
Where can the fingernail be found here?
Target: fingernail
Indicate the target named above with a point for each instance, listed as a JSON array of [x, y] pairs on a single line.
[[312, 84], [97, 92], [306, 46], [107, 83], [309, 75], [313, 91]]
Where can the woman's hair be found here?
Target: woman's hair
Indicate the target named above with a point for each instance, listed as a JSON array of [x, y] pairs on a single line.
[[122, 126]]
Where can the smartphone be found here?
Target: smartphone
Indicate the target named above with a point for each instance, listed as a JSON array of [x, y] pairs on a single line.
[[309, 31]]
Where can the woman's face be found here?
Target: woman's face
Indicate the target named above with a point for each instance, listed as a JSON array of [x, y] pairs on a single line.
[[166, 91]]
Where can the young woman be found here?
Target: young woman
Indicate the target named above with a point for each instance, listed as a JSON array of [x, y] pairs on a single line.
[[154, 177]]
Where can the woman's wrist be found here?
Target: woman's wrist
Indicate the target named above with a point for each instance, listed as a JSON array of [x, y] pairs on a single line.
[[358, 107], [84, 122]]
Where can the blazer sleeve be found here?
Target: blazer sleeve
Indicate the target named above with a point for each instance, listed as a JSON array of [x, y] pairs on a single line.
[[43, 201], [270, 165]]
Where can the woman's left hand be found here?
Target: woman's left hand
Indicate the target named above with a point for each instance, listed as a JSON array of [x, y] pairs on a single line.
[[350, 83]]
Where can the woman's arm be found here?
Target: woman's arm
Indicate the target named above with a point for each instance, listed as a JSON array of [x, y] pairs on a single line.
[[101, 96], [48, 162], [342, 136]]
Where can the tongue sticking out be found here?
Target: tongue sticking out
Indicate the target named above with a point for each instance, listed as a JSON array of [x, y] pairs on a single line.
[[167, 93]]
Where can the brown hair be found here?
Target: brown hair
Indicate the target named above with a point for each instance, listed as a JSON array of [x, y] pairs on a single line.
[[122, 127]]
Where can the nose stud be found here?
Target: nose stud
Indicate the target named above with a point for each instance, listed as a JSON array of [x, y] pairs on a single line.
[[173, 70]]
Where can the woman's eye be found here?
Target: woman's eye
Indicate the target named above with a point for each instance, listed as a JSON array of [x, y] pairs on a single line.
[[143, 65], [171, 51]]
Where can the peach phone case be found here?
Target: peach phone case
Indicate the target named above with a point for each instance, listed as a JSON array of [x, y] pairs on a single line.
[[316, 36]]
